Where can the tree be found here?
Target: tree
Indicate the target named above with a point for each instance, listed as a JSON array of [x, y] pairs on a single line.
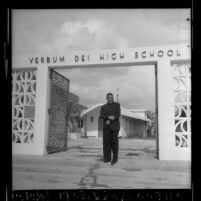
[[74, 117], [152, 125]]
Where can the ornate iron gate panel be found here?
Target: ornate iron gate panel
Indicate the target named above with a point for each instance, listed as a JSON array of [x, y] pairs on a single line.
[[57, 136], [182, 103]]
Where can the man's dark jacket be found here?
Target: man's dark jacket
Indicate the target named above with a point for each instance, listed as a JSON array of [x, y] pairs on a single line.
[[110, 109]]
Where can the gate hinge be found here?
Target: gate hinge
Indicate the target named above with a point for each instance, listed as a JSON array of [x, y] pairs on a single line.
[[50, 74], [49, 111], [156, 110], [155, 70]]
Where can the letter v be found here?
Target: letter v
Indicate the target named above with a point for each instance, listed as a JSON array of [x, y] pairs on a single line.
[[31, 60]]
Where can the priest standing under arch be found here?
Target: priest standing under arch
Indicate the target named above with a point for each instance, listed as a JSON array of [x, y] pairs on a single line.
[[110, 113]]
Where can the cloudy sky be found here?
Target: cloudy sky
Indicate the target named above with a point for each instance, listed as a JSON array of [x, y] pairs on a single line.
[[50, 31], [136, 87]]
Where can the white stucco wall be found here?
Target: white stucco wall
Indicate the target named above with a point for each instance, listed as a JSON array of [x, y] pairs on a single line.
[[92, 127], [141, 114], [132, 127], [166, 130], [42, 116], [38, 147]]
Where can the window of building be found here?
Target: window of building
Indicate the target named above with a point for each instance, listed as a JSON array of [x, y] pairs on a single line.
[[80, 123], [92, 119]]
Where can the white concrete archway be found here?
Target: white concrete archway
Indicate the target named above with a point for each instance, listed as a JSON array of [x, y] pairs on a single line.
[[167, 59]]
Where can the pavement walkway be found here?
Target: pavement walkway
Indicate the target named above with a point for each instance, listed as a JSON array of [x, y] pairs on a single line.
[[81, 167]]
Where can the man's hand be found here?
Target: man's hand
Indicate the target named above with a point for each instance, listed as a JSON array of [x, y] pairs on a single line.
[[111, 118], [108, 122]]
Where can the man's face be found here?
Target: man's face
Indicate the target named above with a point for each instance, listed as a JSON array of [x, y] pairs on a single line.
[[110, 98]]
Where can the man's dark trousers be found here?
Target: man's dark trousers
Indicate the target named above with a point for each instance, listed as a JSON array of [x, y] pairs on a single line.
[[110, 143]]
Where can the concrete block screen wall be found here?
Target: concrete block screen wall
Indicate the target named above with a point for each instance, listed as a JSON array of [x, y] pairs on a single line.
[[173, 89]]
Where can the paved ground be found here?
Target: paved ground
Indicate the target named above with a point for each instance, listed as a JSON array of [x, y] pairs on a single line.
[[81, 167]]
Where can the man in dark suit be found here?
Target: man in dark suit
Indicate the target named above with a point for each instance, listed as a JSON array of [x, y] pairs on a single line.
[[110, 113]]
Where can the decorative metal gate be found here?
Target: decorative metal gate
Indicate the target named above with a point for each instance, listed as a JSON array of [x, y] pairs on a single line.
[[57, 136]]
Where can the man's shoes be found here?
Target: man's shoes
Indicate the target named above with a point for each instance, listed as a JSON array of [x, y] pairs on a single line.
[[106, 161], [113, 162]]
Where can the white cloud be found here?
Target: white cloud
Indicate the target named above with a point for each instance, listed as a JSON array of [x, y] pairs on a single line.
[[71, 28], [99, 34], [96, 26], [89, 35]]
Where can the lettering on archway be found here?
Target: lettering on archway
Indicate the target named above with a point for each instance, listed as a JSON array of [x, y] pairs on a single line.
[[109, 56]]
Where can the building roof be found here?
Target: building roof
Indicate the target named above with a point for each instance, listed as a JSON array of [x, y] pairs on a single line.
[[138, 110], [124, 112], [73, 97], [90, 109]]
